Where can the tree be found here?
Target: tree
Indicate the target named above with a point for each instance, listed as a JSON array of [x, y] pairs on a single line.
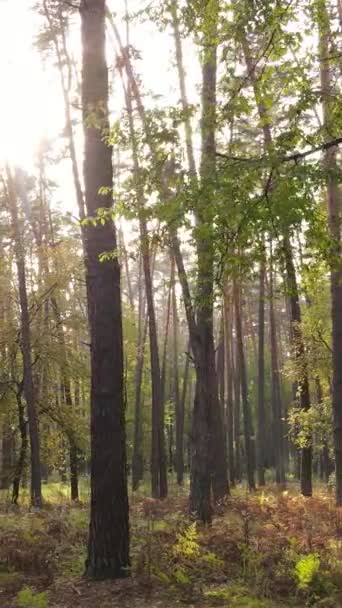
[[28, 385], [108, 545]]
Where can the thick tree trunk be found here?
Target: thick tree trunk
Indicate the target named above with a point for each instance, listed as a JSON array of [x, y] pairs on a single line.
[[205, 254], [334, 219], [29, 393], [108, 545]]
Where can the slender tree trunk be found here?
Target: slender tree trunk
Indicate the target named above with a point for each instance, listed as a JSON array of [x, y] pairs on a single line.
[[237, 409], [20, 464], [334, 201], [138, 456], [179, 403], [108, 545], [278, 431], [261, 436], [247, 417], [36, 484], [228, 343]]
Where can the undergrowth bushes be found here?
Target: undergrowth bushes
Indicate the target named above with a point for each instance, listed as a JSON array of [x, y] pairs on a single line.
[[262, 551]]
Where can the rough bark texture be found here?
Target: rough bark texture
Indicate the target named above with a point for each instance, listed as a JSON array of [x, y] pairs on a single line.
[[108, 545]]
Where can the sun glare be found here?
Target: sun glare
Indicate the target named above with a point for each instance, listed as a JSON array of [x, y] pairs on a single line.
[[29, 103]]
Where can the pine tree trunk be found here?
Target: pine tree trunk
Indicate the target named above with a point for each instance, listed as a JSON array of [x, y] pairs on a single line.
[[108, 545]]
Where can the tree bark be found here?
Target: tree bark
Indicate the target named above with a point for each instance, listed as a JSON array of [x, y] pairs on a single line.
[[108, 544]]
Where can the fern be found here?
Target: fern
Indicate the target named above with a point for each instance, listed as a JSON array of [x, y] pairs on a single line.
[[27, 598]]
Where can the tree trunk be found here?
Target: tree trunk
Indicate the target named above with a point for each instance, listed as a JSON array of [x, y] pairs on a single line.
[[108, 545], [247, 416], [334, 221], [278, 431], [228, 343], [29, 393], [261, 436], [20, 464], [179, 403]]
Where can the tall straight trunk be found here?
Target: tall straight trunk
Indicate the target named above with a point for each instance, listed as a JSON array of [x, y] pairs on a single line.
[[334, 201], [29, 393], [296, 331], [138, 456], [246, 409], [237, 409], [278, 431], [205, 255], [108, 545], [179, 403], [261, 417], [228, 346]]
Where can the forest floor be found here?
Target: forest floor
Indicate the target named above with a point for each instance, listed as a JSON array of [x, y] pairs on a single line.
[[266, 550]]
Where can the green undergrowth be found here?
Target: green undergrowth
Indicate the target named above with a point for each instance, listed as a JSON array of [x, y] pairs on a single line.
[[262, 551]]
